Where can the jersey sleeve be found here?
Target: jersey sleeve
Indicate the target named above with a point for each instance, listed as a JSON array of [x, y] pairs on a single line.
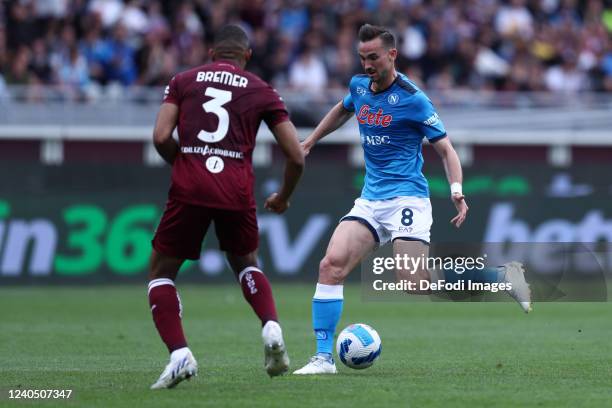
[[347, 102], [171, 92], [427, 120], [274, 110]]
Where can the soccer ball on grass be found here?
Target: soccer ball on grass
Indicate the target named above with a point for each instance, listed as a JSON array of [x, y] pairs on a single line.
[[358, 346]]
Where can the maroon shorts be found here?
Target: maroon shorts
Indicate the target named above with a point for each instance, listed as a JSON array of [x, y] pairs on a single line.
[[183, 226]]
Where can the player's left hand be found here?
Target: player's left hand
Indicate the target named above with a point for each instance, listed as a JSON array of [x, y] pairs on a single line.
[[462, 209], [276, 204]]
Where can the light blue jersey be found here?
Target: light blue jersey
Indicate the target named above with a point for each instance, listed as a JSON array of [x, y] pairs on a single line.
[[392, 124]]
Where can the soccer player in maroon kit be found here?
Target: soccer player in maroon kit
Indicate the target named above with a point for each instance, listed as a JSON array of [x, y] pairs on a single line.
[[217, 108]]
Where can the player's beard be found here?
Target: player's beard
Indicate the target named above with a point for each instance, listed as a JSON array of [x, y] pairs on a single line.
[[380, 77]]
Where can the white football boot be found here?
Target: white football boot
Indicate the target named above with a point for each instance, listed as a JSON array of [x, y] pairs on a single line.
[[182, 366], [276, 359], [514, 273], [318, 365]]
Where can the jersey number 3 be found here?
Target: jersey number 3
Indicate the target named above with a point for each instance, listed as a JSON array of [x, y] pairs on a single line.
[[215, 106]]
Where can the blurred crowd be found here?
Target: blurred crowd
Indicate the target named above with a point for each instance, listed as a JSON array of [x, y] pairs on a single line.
[[86, 47]]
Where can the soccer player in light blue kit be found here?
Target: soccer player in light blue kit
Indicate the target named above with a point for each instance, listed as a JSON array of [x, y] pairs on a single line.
[[394, 116]]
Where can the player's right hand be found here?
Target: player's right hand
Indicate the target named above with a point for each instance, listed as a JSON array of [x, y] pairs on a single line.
[[306, 147], [276, 204]]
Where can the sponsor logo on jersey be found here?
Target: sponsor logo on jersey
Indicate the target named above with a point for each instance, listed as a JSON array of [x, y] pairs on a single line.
[[375, 140], [365, 117], [215, 164], [432, 120], [206, 150], [361, 90], [393, 99]]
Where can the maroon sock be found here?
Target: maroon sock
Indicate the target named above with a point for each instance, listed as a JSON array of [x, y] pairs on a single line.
[[258, 293], [167, 312]]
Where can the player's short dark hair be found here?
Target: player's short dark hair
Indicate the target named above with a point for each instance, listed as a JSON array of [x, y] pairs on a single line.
[[231, 36], [368, 32]]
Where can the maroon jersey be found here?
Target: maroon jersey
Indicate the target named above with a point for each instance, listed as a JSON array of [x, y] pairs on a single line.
[[220, 110]]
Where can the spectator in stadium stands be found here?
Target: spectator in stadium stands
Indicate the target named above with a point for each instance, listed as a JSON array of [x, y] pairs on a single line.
[[156, 63], [566, 77], [157, 22], [308, 73], [21, 28], [280, 62], [3, 48], [514, 39], [414, 43], [186, 35], [489, 64], [122, 62], [96, 50], [109, 10], [514, 20], [3, 90], [73, 75], [341, 59], [40, 64], [18, 74], [134, 19], [606, 66], [293, 20]]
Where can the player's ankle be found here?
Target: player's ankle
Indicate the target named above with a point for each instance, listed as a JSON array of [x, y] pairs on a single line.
[[179, 353]]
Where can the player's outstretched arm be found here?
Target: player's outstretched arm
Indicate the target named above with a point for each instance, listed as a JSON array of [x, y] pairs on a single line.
[[286, 136], [454, 174], [165, 123], [335, 118]]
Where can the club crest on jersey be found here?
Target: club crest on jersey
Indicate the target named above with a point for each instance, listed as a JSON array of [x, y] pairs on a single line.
[[393, 99], [365, 117]]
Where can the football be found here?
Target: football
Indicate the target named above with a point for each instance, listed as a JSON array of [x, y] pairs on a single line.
[[358, 346]]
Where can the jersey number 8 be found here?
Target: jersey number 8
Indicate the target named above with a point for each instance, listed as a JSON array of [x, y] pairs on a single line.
[[407, 214]]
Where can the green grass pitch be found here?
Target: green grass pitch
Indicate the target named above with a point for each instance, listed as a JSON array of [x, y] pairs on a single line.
[[101, 343]]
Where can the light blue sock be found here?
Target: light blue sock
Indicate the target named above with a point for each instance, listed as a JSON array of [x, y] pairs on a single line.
[[486, 275], [326, 311]]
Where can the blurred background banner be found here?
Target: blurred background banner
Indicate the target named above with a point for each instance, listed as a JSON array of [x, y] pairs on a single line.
[[85, 223]]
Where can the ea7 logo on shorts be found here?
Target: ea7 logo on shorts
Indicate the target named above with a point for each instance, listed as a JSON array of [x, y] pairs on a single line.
[[375, 140], [432, 120]]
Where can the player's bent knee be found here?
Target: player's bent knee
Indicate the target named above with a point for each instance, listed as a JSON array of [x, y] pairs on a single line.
[[417, 278], [239, 262], [332, 270]]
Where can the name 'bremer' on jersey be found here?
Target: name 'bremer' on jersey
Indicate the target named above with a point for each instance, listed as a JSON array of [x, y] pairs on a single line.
[[222, 77]]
